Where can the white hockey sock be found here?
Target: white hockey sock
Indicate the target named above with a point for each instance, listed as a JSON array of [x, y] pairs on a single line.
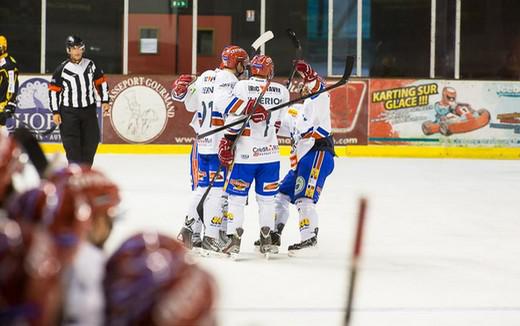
[[192, 209], [236, 213], [266, 209], [213, 212], [281, 209], [308, 218]]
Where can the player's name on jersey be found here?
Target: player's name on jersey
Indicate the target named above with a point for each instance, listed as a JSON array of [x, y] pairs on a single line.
[[207, 90], [271, 89]]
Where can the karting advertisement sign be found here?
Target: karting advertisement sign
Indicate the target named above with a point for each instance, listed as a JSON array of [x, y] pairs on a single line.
[[444, 113], [142, 111], [33, 109]]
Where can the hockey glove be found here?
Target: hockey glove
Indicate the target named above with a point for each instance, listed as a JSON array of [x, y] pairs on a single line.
[[305, 71], [180, 86], [9, 109], [261, 114], [225, 154]]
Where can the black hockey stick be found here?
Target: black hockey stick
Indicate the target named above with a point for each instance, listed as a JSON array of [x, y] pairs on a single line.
[[356, 253], [349, 64], [297, 56], [31, 146], [200, 205], [262, 39], [35, 131]]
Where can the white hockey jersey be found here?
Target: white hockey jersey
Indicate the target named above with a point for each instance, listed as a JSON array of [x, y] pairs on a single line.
[[305, 123], [199, 99], [258, 143], [84, 299]]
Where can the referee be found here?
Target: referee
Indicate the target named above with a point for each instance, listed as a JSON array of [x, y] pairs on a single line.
[[73, 104]]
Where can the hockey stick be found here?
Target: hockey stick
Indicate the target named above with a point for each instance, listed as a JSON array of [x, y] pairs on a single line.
[[349, 64], [355, 258], [297, 56], [35, 131], [31, 146], [200, 205], [262, 39]]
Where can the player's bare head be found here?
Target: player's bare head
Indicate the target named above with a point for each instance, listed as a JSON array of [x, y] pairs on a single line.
[[235, 59], [449, 94], [75, 48], [3, 44], [262, 66]]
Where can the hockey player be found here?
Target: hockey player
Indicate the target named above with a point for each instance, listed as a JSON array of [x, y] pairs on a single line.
[[198, 96], [80, 212], [8, 82], [312, 160], [256, 156]]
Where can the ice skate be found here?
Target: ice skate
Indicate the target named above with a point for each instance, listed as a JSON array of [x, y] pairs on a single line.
[[266, 243], [211, 247], [222, 238], [186, 237], [232, 247], [276, 236], [305, 248]]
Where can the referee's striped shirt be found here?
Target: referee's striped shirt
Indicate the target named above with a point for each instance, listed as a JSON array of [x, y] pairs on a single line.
[[73, 84]]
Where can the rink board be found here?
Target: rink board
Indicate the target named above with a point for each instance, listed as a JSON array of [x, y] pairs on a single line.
[[342, 151]]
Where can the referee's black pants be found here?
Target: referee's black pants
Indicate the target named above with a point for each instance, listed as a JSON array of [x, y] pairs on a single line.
[[79, 131]]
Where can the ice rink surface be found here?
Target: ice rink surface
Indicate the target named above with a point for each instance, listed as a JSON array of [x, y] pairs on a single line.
[[441, 246]]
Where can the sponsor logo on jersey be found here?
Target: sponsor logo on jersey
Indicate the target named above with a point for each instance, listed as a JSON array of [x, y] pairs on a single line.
[[207, 90], [239, 185], [141, 107], [270, 100], [202, 175], [244, 156], [299, 185], [270, 186], [265, 150], [304, 223]]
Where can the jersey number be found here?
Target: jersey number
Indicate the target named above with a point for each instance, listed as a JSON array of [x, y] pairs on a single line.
[[205, 108]]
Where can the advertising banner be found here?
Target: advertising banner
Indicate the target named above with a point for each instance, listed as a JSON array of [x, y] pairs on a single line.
[[33, 110], [349, 113], [444, 113]]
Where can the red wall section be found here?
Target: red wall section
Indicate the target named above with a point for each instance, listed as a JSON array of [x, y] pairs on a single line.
[[222, 37], [164, 62]]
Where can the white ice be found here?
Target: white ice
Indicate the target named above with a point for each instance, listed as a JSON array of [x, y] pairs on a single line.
[[441, 245]]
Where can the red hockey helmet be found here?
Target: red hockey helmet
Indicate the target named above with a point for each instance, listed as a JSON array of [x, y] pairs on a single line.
[[30, 277], [150, 281], [28, 206], [232, 55], [80, 194], [262, 66]]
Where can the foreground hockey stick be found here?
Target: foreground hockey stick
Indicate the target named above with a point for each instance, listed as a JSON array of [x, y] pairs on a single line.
[[35, 131], [297, 56], [26, 139], [355, 258], [349, 64], [262, 39]]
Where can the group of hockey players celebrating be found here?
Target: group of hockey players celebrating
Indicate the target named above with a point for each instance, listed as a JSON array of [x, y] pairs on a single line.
[[226, 161], [53, 270]]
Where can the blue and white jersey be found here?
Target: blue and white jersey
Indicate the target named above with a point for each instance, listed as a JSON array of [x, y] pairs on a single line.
[[258, 143], [306, 123], [200, 99]]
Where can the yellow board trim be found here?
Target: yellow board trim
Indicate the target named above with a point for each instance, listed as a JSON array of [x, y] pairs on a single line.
[[342, 151]]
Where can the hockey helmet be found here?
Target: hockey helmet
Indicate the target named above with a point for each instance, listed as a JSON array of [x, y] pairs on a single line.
[[30, 278], [80, 194], [232, 55], [150, 281], [74, 41], [449, 96], [262, 66], [3, 44]]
